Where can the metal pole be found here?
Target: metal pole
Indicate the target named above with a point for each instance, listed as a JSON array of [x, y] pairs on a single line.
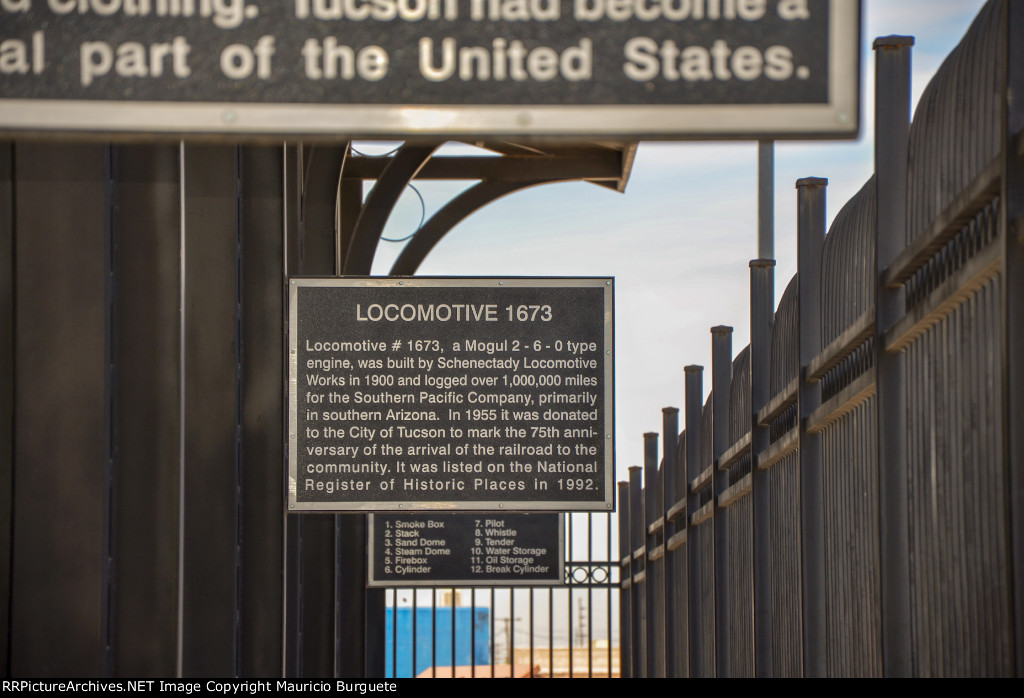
[[892, 134], [639, 567], [721, 379], [675, 572], [694, 409], [762, 301], [625, 587], [654, 508], [766, 199], [811, 234]]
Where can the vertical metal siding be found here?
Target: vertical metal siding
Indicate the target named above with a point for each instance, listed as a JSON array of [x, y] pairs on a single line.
[[147, 383], [58, 583], [210, 407], [262, 438]]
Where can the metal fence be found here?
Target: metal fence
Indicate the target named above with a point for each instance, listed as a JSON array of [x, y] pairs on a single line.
[[850, 499]]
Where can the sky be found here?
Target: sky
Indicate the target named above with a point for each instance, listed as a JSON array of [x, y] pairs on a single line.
[[680, 238]]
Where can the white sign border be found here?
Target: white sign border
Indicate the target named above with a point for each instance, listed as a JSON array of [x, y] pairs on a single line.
[[839, 118]]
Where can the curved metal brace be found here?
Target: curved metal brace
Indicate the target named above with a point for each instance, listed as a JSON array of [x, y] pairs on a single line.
[[382, 199], [450, 215]]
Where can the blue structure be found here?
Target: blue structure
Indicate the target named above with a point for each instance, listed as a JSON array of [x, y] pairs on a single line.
[[433, 635]]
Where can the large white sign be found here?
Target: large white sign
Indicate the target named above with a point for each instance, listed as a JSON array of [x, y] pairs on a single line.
[[375, 68]]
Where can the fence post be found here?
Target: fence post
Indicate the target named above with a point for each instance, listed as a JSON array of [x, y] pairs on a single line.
[[673, 491], [694, 395], [636, 554], [625, 586], [653, 510], [892, 134], [721, 378], [811, 237], [762, 303], [1013, 301]]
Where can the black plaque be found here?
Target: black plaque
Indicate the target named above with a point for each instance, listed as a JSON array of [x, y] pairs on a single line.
[[475, 394], [639, 68], [445, 549]]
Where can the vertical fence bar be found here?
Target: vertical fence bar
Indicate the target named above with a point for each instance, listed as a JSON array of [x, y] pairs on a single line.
[[762, 300], [639, 568], [892, 131], [625, 586], [675, 582], [590, 598], [494, 620], [653, 508], [608, 595], [811, 235], [551, 633], [694, 394], [721, 378]]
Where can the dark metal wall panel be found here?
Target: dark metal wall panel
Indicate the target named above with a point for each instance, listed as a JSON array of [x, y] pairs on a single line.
[[852, 572], [262, 400], [57, 623], [145, 339], [6, 386], [957, 126], [783, 481], [210, 404], [960, 583]]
